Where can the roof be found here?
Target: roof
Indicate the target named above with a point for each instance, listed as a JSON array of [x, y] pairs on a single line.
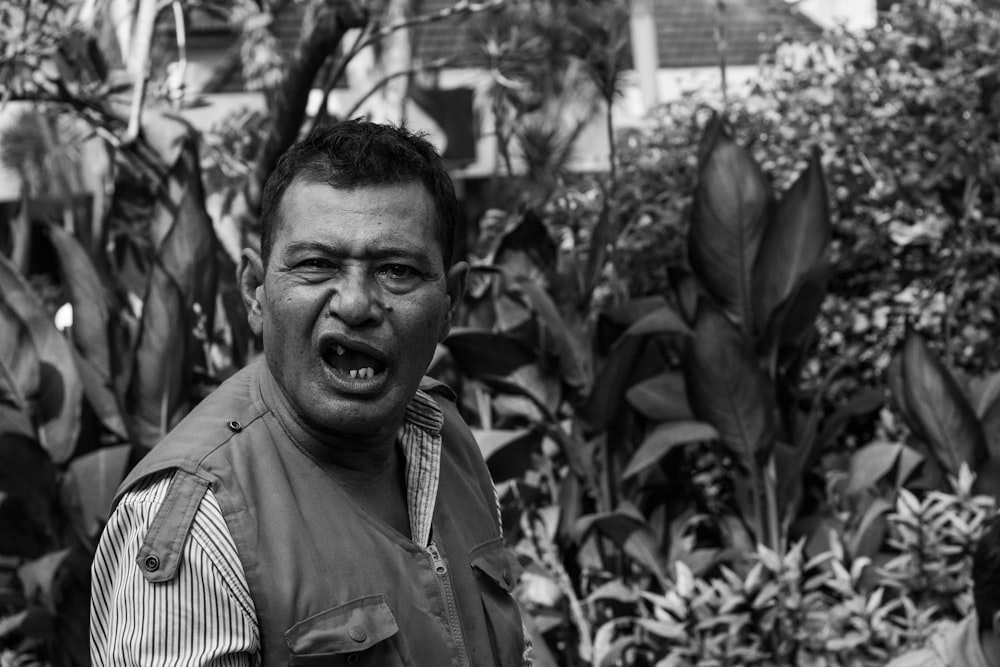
[[685, 34], [685, 30]]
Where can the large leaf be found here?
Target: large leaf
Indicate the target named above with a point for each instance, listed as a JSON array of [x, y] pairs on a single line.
[[180, 295], [795, 316], [628, 529], [90, 485], [634, 357], [728, 221], [632, 360], [508, 453], [988, 409], [38, 578], [87, 296], [727, 388], [870, 464], [28, 485], [663, 439], [526, 248], [18, 358], [479, 352], [60, 398], [564, 342], [155, 399], [663, 320], [661, 398], [91, 324], [15, 418], [612, 323], [795, 241], [937, 404]]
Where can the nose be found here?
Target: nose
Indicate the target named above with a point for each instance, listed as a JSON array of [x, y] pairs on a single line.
[[354, 300]]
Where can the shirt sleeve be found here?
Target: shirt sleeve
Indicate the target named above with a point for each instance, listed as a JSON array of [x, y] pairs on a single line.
[[203, 616]]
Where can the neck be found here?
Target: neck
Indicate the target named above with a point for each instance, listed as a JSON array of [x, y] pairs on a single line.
[[360, 455]]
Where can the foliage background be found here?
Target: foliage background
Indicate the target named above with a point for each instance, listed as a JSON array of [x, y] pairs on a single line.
[[624, 493]]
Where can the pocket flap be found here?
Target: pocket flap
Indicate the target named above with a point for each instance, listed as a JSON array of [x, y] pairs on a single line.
[[353, 626], [495, 561]]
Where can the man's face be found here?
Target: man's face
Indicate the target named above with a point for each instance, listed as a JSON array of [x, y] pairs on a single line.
[[353, 301]]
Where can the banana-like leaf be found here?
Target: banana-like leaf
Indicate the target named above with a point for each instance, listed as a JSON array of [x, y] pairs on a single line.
[[632, 360], [612, 323], [60, 397], [38, 578], [91, 324], [663, 439], [508, 453], [870, 464], [795, 316], [155, 401], [565, 343], [15, 419], [897, 394], [479, 352], [28, 489], [794, 243], [526, 248], [18, 359], [729, 217], [661, 398], [727, 388], [627, 528], [88, 297], [90, 485], [179, 303], [663, 320], [944, 414], [869, 536], [988, 409]]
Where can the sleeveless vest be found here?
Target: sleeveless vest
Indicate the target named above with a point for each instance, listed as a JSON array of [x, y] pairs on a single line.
[[331, 583]]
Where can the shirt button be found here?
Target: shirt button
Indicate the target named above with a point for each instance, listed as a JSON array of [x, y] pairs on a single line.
[[151, 563], [357, 633], [352, 658], [235, 426]]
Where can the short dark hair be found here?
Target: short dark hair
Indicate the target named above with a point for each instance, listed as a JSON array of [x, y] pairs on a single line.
[[358, 153], [986, 571]]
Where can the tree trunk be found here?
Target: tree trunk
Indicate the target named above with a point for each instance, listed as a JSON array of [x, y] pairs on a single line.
[[323, 28]]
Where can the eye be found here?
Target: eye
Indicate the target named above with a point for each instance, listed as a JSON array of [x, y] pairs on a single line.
[[315, 263], [398, 271]]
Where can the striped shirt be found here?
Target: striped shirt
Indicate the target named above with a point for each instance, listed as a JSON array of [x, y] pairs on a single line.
[[205, 614]]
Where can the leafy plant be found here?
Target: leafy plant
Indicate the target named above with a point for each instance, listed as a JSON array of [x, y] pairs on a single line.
[[953, 422], [80, 406]]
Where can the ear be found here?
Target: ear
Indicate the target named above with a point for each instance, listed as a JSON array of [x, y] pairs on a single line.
[[456, 290], [250, 275]]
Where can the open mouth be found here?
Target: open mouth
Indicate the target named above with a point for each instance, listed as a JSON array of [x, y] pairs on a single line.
[[349, 362]]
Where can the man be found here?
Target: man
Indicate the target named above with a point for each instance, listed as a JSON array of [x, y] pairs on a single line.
[[325, 505], [975, 641]]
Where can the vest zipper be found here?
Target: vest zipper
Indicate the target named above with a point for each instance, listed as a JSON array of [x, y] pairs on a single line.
[[441, 570]]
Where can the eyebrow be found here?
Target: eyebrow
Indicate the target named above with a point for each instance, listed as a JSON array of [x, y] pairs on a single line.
[[377, 252]]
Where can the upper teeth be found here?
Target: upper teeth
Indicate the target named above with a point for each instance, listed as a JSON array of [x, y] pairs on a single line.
[[340, 350]]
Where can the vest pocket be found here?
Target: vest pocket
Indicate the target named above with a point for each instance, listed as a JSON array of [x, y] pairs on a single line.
[[360, 632], [497, 571]]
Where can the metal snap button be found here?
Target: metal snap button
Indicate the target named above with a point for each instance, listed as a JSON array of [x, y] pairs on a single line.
[[235, 426], [357, 633], [352, 658], [152, 563]]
